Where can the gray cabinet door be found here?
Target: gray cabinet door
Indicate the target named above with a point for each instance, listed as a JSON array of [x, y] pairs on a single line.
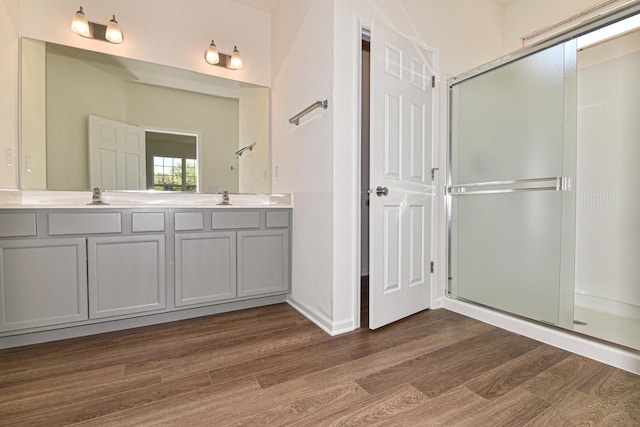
[[263, 262], [205, 267], [126, 275], [42, 282]]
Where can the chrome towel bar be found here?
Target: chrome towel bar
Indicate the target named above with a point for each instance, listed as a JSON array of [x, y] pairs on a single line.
[[296, 119]]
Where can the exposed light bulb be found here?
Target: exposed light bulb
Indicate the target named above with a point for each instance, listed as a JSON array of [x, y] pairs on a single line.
[[211, 55], [80, 24], [236, 61], [114, 32]]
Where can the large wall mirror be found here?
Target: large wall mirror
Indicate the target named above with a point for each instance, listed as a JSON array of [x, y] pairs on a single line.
[[91, 119]]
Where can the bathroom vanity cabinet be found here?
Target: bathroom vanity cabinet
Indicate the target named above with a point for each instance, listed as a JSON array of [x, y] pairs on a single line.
[[77, 268]]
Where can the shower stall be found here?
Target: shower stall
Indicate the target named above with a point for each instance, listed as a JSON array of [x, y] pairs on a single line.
[[543, 184]]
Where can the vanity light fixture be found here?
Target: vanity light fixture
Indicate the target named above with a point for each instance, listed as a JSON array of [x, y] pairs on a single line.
[[111, 32], [114, 32], [236, 60], [80, 24], [212, 56], [215, 57]]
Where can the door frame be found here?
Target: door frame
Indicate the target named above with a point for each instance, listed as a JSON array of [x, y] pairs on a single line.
[[364, 33]]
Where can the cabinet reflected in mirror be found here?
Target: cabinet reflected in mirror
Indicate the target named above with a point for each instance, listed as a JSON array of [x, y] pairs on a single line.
[[190, 122]]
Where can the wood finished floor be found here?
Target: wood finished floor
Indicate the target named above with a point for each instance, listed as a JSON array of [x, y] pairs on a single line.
[[271, 366]]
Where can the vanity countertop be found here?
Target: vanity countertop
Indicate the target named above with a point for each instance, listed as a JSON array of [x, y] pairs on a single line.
[[138, 199]]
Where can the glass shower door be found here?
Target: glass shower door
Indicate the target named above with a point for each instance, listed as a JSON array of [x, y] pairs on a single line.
[[511, 209]]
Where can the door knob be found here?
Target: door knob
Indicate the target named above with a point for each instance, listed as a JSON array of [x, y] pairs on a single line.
[[382, 191]]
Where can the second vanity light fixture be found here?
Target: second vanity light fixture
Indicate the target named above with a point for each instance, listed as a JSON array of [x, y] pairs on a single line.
[[111, 32], [214, 57]]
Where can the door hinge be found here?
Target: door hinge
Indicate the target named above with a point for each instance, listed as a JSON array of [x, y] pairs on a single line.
[[433, 81], [432, 267], [433, 173]]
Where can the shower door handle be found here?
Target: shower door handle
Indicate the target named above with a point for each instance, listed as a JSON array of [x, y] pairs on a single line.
[[382, 191], [555, 183]]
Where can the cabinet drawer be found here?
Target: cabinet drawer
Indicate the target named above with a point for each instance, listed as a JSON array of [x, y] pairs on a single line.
[[17, 224], [84, 223], [147, 221], [235, 219], [186, 221], [277, 219]]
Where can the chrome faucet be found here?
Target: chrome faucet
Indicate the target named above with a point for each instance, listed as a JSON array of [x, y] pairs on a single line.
[[225, 198], [96, 197]]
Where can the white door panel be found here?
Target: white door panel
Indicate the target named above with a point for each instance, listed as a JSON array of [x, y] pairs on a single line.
[[116, 155], [401, 153]]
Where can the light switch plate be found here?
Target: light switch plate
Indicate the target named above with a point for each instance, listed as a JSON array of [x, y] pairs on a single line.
[[8, 157]]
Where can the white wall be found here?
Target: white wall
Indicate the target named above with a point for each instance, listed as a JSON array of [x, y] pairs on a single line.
[[9, 17], [303, 155], [526, 16]]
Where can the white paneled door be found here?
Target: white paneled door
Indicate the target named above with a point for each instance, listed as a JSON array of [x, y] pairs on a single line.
[[116, 155], [401, 202]]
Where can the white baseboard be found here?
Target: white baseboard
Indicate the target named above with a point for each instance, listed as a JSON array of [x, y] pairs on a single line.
[[611, 355], [322, 321]]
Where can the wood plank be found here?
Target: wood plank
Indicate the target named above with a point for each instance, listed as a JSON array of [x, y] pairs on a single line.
[[376, 410], [516, 408], [463, 367], [61, 391], [223, 397], [89, 409], [284, 366], [505, 378], [216, 405], [482, 346], [301, 411], [369, 365], [448, 409], [611, 383], [184, 361], [554, 383], [576, 408]]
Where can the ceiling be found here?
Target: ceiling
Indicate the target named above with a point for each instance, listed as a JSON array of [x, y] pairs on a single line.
[[266, 5], [505, 3], [270, 5]]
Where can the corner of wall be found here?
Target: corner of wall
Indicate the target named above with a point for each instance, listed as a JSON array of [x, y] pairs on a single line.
[[322, 321], [302, 155]]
